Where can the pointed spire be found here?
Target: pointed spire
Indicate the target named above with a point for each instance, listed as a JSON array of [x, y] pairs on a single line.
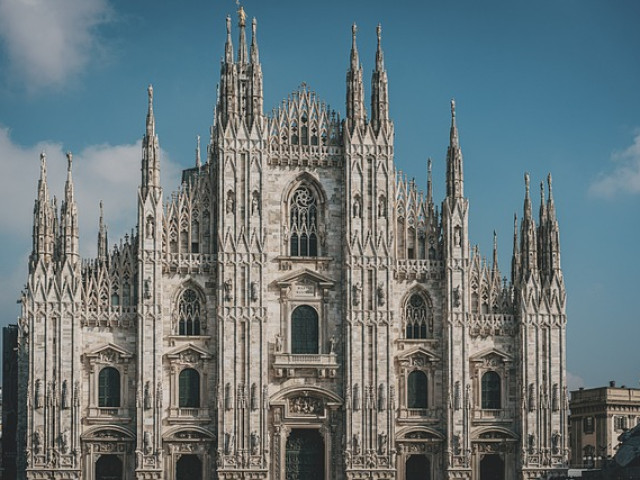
[[151, 122], [150, 150], [379, 55], [355, 60], [198, 163], [355, 88], [43, 192], [528, 241], [254, 42], [543, 211], [68, 186], [455, 174], [551, 207], [527, 199], [242, 43], [494, 268], [228, 46], [453, 135], [102, 237], [379, 88], [429, 182], [69, 216]]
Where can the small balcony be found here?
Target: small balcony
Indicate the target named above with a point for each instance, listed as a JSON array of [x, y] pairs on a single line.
[[322, 365], [189, 415], [109, 415]]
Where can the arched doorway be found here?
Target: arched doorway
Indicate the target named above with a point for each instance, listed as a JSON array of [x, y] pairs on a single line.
[[189, 467], [417, 467], [305, 455], [491, 468], [108, 467]]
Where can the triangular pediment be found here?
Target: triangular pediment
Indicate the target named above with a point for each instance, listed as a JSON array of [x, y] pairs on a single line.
[[305, 276], [418, 353], [109, 353], [189, 353], [491, 355]]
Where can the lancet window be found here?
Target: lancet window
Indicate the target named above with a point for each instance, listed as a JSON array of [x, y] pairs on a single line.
[[416, 317], [189, 313], [303, 222], [304, 330], [189, 386]]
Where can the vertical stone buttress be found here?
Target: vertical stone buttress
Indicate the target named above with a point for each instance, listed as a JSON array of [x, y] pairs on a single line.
[[237, 155], [48, 420], [369, 327], [455, 221], [149, 304], [540, 307]]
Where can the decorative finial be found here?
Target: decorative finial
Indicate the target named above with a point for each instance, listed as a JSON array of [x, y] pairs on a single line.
[[379, 32], [150, 92], [43, 157], [549, 182], [453, 108], [526, 182], [69, 160], [242, 17], [542, 191], [228, 25], [354, 29]]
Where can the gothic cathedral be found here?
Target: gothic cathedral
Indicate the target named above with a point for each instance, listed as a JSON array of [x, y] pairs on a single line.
[[296, 310]]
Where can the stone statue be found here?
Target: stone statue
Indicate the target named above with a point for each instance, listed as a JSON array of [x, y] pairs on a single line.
[[65, 395], [356, 444], [242, 17], [37, 397], [278, 343], [332, 344], [255, 443], [382, 443], [147, 396], [148, 443], [37, 442], [64, 441]]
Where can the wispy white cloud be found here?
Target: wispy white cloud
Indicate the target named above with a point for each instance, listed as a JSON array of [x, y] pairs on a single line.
[[50, 41], [102, 172], [625, 176]]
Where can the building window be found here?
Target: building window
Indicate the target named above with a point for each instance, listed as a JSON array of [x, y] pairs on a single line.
[[620, 423], [415, 317], [189, 388], [587, 425], [417, 390], [109, 388], [303, 223], [491, 391], [304, 330], [189, 313]]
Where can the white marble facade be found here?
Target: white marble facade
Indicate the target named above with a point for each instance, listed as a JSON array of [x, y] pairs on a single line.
[[296, 309]]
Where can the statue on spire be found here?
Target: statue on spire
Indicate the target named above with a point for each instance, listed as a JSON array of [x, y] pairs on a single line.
[[242, 17]]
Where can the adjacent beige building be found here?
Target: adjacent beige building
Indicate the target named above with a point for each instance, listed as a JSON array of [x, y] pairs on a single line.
[[598, 417], [297, 309]]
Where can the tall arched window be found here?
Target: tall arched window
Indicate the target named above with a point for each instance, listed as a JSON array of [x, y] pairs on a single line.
[[303, 223], [416, 317], [304, 330], [189, 313], [491, 391], [109, 387], [417, 390], [189, 388]]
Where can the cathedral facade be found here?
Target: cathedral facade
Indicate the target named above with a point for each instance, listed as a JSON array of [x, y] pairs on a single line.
[[296, 310]]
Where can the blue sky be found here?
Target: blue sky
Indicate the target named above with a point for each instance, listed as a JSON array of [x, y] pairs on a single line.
[[548, 86]]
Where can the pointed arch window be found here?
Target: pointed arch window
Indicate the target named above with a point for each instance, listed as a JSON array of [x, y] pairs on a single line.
[[304, 330], [416, 317], [417, 390], [189, 313], [491, 391], [189, 388], [303, 223], [109, 388]]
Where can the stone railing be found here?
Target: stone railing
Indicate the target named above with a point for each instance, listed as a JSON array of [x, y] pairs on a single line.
[[291, 364]]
